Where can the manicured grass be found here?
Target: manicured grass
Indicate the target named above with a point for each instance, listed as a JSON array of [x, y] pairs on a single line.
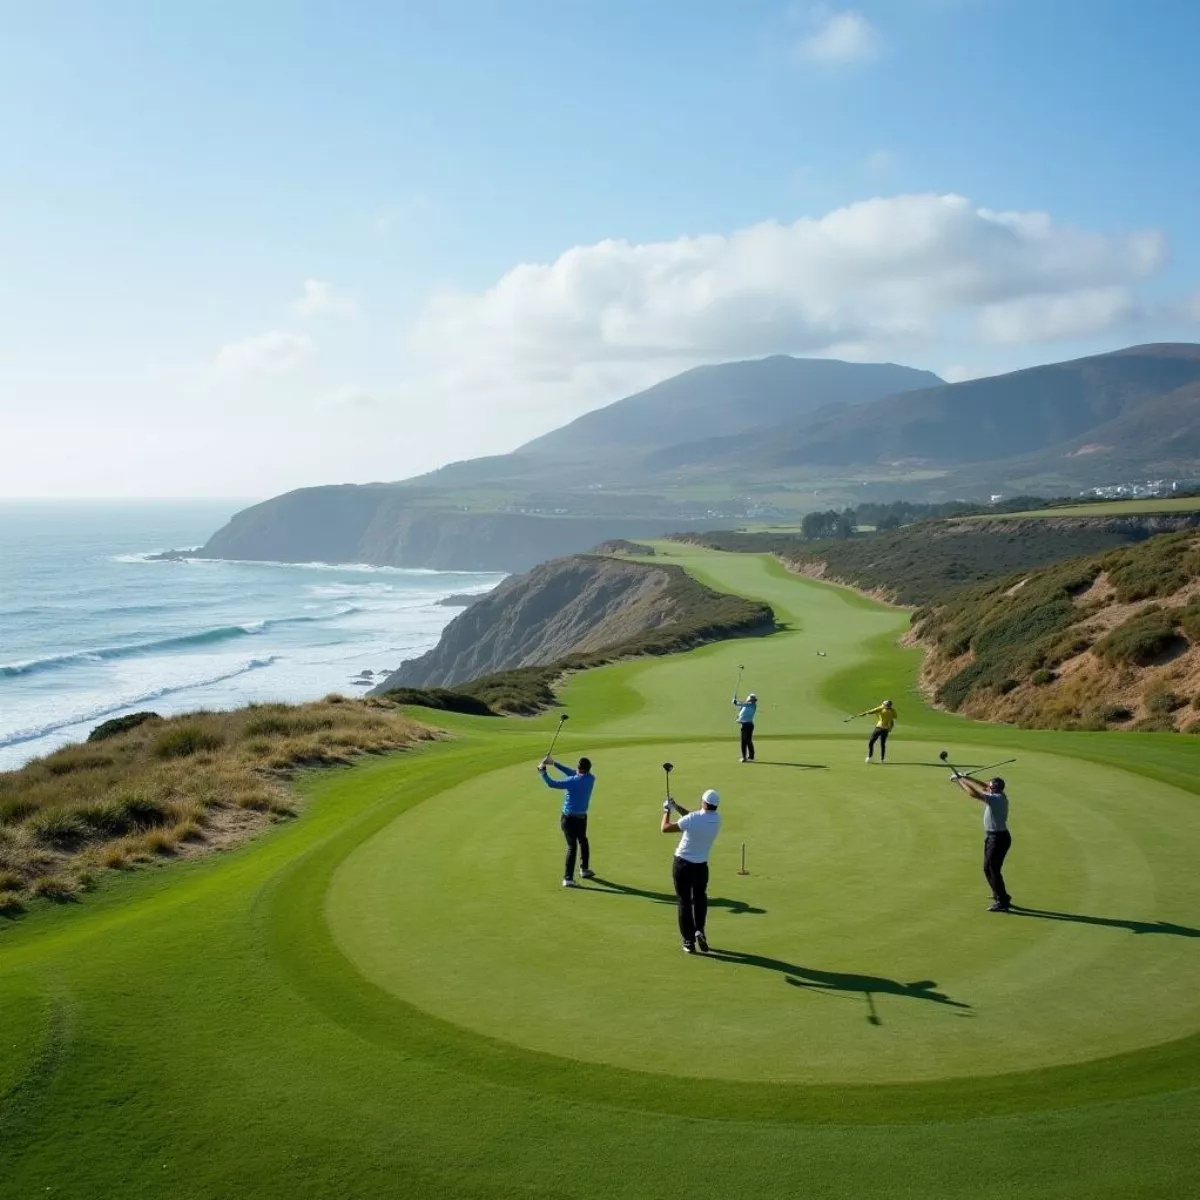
[[1117, 508], [392, 997]]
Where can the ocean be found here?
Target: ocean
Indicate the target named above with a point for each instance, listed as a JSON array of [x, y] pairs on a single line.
[[90, 629]]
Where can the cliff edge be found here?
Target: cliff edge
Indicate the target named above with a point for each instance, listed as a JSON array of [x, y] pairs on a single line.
[[580, 606]]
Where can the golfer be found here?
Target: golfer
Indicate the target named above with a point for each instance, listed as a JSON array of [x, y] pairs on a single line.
[[996, 838], [689, 871], [745, 718], [578, 786], [886, 718]]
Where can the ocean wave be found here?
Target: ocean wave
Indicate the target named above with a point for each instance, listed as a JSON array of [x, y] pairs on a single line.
[[150, 556], [128, 702], [204, 637]]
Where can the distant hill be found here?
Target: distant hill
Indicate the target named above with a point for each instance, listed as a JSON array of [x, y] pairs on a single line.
[[722, 401], [768, 439], [1135, 405]]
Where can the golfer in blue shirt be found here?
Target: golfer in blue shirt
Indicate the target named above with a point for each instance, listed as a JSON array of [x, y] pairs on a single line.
[[747, 709], [578, 786]]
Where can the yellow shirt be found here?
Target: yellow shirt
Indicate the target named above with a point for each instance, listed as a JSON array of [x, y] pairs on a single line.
[[887, 716]]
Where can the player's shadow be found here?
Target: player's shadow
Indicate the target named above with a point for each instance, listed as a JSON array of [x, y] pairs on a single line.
[[767, 762], [1047, 914], [868, 986], [735, 907]]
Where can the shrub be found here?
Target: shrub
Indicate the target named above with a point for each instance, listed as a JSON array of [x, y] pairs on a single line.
[[1161, 703], [109, 729], [444, 699], [144, 811], [1140, 640], [1007, 685], [1113, 713], [55, 887], [57, 827], [10, 881], [186, 740], [10, 904], [16, 809], [108, 818], [1042, 677]]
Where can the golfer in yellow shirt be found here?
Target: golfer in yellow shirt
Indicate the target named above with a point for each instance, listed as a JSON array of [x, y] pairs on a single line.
[[886, 718]]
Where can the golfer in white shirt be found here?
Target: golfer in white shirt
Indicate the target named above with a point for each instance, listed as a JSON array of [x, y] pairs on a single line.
[[689, 871]]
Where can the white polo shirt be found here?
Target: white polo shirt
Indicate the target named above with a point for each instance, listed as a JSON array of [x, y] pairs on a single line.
[[699, 829]]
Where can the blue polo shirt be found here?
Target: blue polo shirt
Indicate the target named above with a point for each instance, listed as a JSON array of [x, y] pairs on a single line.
[[578, 788]]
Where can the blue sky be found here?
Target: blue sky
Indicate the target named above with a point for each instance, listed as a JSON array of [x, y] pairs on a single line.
[[246, 247]]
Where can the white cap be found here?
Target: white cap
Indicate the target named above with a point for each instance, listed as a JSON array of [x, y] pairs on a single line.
[[711, 798]]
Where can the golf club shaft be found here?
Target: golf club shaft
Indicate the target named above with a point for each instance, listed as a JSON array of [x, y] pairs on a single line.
[[1002, 763], [554, 739]]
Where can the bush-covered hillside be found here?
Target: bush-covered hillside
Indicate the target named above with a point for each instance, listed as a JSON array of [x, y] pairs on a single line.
[[1108, 640], [148, 788], [926, 561]]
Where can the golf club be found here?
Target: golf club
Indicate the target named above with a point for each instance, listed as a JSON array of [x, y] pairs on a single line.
[[554, 739], [742, 869], [944, 755], [737, 687], [667, 769]]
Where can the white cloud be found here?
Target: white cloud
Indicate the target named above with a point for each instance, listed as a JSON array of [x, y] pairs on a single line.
[[1189, 310], [345, 399], [961, 372], [1047, 318], [273, 353], [883, 276], [321, 299], [837, 37]]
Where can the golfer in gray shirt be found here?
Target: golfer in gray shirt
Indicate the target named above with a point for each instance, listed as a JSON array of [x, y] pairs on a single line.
[[996, 838]]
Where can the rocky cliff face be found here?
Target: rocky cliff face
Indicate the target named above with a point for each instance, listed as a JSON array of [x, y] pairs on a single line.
[[385, 525], [575, 604]]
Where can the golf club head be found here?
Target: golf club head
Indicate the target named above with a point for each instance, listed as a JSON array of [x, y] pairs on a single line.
[[943, 755], [668, 767], [564, 717]]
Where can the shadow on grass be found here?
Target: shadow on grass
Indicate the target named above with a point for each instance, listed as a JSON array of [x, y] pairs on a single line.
[[1047, 914], [767, 762], [596, 884], [867, 986]]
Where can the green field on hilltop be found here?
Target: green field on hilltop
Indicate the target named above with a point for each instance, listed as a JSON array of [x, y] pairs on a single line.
[[393, 996], [1104, 508]]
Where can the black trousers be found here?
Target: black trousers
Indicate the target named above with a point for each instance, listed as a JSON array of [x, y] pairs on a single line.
[[880, 736], [995, 848], [575, 831], [691, 891], [748, 740]]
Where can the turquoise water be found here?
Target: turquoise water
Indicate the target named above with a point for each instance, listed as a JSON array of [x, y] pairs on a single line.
[[90, 629]]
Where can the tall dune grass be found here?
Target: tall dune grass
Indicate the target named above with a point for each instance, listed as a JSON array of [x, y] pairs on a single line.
[[160, 787]]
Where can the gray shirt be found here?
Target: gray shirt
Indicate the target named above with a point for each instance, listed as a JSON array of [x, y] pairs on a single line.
[[995, 812]]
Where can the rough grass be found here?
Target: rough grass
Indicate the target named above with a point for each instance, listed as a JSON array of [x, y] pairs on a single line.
[[159, 785]]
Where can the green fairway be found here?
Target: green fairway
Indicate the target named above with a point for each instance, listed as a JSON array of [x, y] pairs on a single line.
[[1113, 508], [392, 996]]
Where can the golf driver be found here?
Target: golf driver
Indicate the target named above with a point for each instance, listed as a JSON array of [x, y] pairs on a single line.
[[944, 755], [668, 802], [737, 687], [554, 739]]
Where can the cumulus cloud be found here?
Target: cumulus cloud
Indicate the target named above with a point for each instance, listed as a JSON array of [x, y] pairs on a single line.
[[1047, 318], [884, 275], [836, 36], [273, 353], [321, 299]]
